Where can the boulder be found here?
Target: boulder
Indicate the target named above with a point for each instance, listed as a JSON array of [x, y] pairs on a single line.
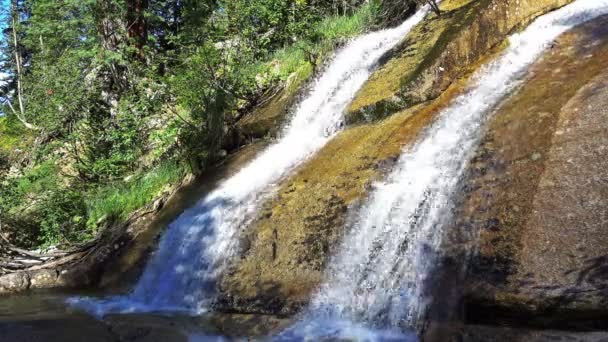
[[14, 282], [43, 279]]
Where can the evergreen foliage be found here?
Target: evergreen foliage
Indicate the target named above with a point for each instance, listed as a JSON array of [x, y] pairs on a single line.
[[108, 102]]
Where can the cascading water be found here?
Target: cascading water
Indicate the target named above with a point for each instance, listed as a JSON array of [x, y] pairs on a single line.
[[196, 247], [378, 275]]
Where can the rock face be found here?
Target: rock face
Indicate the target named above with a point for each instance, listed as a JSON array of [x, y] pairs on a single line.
[[538, 193], [269, 116], [14, 282], [284, 252], [441, 50], [286, 249]]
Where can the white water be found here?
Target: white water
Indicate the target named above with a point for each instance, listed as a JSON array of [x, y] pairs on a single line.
[[377, 278], [196, 247]]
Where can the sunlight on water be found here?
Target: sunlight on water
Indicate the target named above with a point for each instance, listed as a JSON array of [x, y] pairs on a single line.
[[196, 247], [379, 274]]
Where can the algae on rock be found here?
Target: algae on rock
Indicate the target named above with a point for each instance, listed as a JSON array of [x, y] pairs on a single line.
[[268, 117], [285, 250], [440, 50]]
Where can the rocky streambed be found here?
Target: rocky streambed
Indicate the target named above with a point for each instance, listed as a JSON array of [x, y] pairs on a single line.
[[43, 317], [531, 215]]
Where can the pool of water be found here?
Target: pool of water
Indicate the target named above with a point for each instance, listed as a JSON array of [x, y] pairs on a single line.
[[45, 316]]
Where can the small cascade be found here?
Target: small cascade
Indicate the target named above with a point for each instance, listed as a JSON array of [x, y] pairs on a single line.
[[196, 247], [374, 286]]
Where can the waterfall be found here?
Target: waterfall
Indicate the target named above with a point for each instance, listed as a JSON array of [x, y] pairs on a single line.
[[196, 247], [373, 288]]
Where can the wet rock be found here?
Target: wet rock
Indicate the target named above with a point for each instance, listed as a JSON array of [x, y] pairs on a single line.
[[277, 271], [285, 251], [65, 329], [477, 333], [267, 118], [541, 208], [146, 329], [81, 275], [440, 51]]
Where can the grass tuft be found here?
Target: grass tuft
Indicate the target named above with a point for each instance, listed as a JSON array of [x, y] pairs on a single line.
[[117, 201], [329, 31]]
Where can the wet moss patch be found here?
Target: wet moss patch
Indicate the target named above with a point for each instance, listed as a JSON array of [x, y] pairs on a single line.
[[269, 117]]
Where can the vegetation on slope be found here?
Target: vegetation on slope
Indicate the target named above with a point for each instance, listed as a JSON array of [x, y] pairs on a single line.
[[108, 103]]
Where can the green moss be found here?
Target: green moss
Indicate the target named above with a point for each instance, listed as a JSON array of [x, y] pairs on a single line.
[[376, 112], [13, 135]]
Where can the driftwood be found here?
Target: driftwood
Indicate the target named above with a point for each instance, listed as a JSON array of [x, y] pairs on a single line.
[[83, 257], [13, 258]]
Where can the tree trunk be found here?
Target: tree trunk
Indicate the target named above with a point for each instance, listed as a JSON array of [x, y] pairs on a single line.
[[110, 18], [137, 29], [18, 66]]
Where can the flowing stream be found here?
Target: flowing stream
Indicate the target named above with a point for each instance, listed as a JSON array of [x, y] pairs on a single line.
[[374, 286], [196, 247]]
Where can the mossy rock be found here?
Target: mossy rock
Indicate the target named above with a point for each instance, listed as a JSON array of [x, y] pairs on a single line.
[[284, 253], [439, 51], [266, 119], [285, 250], [14, 137]]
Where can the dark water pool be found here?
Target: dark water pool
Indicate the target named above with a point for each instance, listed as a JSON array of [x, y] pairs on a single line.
[[42, 317]]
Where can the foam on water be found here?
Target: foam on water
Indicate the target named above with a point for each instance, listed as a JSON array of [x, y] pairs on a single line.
[[196, 247], [378, 275]]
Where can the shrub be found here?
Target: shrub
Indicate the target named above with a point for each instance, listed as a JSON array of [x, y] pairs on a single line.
[[62, 218]]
